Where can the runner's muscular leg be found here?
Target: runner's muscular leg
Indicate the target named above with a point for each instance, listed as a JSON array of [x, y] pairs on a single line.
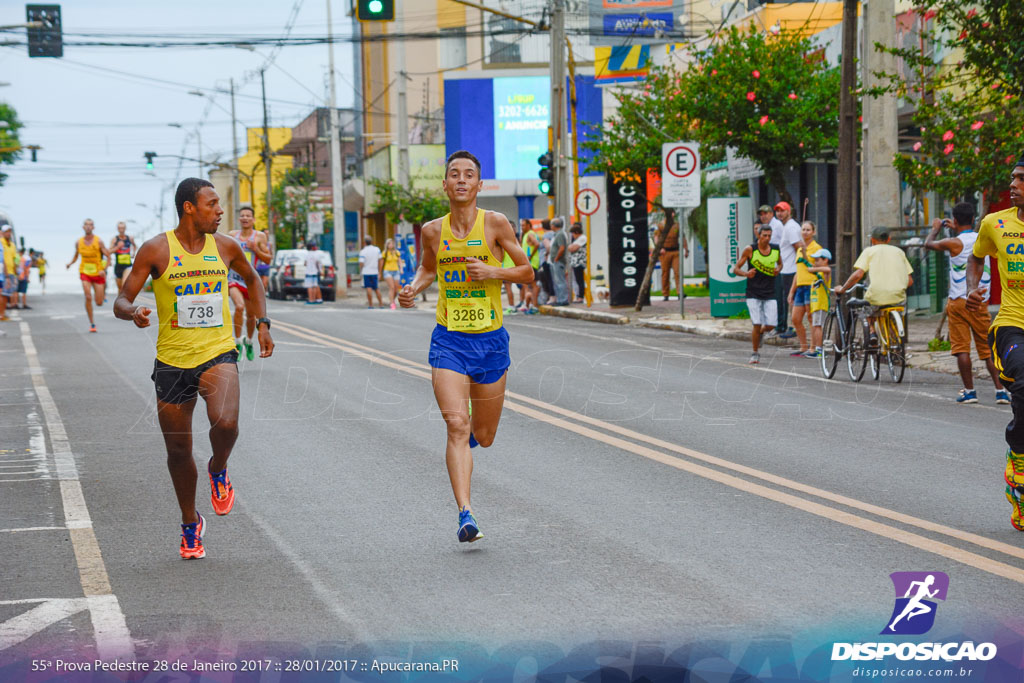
[[239, 306], [219, 388], [451, 389], [488, 400], [87, 289], [176, 425], [100, 290]]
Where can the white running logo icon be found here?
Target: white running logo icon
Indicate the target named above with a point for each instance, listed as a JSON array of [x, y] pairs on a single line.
[[915, 607]]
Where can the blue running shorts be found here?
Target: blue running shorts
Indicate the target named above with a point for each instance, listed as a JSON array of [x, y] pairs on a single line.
[[483, 356], [369, 282]]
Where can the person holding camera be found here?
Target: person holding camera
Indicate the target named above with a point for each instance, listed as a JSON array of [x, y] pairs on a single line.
[[964, 323]]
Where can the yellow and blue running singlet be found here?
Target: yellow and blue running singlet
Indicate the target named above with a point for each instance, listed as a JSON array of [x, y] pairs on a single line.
[[192, 305], [465, 305], [469, 337]]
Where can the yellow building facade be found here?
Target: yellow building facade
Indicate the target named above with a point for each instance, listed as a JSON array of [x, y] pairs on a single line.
[[252, 177]]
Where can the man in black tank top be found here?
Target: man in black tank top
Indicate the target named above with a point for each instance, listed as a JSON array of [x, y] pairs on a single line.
[[765, 264]]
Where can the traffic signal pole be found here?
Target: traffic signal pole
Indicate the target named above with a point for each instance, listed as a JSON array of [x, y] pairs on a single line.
[[560, 148], [340, 254]]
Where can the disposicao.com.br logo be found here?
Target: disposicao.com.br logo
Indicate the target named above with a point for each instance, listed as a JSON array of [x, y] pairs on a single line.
[[914, 614]]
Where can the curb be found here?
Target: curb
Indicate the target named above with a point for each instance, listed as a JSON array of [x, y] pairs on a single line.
[[580, 314]]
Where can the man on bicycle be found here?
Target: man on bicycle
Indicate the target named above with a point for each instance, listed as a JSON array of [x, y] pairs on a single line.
[[1001, 236], [891, 274]]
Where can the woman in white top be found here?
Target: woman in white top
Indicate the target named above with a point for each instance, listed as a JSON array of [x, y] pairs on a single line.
[[578, 257]]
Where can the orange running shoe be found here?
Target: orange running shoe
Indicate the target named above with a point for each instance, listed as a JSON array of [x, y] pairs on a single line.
[[192, 540], [222, 494]]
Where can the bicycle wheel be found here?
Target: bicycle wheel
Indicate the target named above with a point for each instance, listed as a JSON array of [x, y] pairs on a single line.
[[874, 352], [831, 345], [897, 356], [857, 349]]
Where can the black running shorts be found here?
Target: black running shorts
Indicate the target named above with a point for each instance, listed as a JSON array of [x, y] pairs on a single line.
[[181, 385]]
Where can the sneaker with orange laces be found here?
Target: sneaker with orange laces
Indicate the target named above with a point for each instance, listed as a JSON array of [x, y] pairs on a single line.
[[192, 540], [222, 494]]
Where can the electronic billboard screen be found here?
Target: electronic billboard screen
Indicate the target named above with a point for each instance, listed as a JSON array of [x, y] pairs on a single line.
[[521, 118], [504, 121]]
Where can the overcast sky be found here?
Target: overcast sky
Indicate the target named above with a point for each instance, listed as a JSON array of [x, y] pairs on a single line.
[[94, 124]]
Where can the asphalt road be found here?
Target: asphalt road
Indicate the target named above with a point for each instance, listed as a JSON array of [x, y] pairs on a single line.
[[644, 486]]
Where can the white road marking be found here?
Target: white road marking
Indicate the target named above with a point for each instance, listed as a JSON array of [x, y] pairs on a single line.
[[33, 528], [44, 615], [113, 641]]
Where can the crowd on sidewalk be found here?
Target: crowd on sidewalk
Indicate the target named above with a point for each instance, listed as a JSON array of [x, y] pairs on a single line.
[[16, 266]]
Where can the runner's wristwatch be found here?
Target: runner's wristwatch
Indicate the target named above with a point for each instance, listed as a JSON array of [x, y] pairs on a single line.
[[263, 320]]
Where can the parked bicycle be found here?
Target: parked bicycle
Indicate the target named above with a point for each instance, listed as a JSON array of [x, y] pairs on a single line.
[[836, 334]]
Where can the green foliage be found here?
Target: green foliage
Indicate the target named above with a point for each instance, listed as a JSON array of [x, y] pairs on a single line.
[[417, 206], [939, 345], [291, 202], [770, 96], [969, 112], [696, 290], [740, 315], [9, 136]]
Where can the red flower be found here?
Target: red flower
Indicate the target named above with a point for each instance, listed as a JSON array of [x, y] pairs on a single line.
[[948, 149], [791, 95], [977, 125], [973, 13], [947, 136], [751, 96], [930, 14], [764, 120], [917, 146], [756, 74], [714, 72]]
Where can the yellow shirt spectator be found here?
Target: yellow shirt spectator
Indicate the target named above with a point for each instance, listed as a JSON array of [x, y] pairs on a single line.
[[888, 269], [804, 276]]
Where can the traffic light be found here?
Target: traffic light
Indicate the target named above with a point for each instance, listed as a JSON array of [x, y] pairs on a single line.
[[47, 40], [546, 174], [149, 159], [375, 10]]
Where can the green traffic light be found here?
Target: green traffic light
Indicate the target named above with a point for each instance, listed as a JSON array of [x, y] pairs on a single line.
[[149, 165], [544, 186], [376, 6]]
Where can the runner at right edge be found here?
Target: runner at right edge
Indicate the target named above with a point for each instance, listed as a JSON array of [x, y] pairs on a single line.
[[1001, 236]]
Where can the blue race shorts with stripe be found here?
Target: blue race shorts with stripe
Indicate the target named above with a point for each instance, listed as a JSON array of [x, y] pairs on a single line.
[[483, 357]]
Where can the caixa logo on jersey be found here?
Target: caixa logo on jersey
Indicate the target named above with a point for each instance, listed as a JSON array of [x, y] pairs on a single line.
[[627, 240], [913, 614]]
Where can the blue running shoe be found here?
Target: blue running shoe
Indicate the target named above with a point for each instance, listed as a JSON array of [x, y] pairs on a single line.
[[469, 531], [967, 396], [1003, 396], [473, 443]]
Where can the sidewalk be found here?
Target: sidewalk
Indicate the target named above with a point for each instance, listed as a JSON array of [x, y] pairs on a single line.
[[665, 315]]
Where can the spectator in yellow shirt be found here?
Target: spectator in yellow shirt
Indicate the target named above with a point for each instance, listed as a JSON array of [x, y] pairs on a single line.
[[800, 291], [891, 272]]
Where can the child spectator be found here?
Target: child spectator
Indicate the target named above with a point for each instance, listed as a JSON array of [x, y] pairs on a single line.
[[819, 296]]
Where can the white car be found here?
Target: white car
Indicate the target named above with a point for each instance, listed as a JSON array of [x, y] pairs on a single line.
[[287, 275]]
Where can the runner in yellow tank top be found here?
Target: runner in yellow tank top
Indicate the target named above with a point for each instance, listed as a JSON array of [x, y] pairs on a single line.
[[91, 271], [195, 352], [469, 347]]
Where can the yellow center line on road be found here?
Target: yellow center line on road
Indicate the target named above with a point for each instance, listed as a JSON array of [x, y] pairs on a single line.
[[521, 404]]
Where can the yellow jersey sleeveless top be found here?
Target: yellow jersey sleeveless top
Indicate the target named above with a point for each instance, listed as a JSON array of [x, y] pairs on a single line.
[[92, 256], [465, 305], [192, 305]]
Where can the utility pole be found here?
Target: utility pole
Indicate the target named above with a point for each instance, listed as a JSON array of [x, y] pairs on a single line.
[[561, 148], [403, 106], [199, 145], [846, 176], [880, 182], [337, 195], [266, 156], [234, 150]]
